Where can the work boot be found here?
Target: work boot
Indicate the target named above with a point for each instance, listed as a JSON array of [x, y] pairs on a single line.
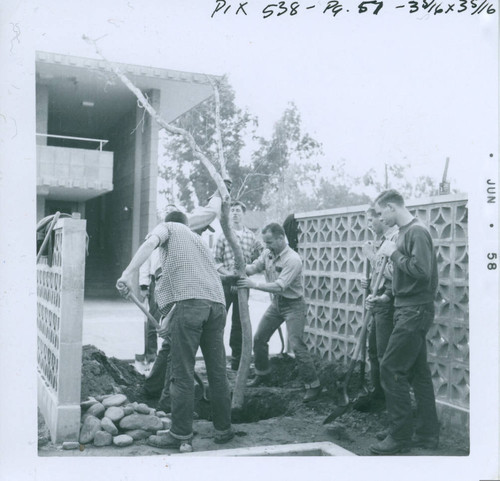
[[312, 394], [427, 442], [167, 441], [381, 435], [390, 446], [258, 380], [222, 438]]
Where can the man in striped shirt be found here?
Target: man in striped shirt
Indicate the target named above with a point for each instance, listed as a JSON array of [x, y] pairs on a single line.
[[224, 260], [191, 282]]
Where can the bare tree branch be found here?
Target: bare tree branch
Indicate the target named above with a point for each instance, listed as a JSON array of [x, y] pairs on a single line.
[[198, 154], [243, 184], [218, 135]]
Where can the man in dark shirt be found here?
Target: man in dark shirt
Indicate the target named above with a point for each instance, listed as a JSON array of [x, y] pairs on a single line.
[[404, 364]]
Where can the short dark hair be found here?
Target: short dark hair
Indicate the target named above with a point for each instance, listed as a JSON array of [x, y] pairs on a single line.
[[371, 212], [275, 229], [291, 228], [177, 216], [241, 204], [390, 195]]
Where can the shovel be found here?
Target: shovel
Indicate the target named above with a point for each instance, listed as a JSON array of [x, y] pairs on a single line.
[[137, 302], [359, 348]]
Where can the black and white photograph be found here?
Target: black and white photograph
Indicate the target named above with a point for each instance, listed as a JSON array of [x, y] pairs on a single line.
[[249, 230]]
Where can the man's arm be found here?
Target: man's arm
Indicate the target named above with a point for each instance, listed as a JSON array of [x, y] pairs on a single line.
[[142, 254], [145, 273], [290, 271], [203, 216], [248, 283], [258, 265], [418, 264]]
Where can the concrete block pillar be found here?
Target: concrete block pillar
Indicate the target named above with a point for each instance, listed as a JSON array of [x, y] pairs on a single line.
[[60, 289]]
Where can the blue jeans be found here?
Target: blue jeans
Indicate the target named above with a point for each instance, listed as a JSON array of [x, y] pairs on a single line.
[[293, 312], [404, 364], [198, 323], [378, 338], [235, 338]]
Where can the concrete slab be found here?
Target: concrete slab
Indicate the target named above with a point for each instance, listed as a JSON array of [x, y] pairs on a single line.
[[304, 449]]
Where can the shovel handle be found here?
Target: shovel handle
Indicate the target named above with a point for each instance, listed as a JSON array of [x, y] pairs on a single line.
[[130, 295]]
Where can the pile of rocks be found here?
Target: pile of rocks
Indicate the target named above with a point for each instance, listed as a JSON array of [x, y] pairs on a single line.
[[112, 419]]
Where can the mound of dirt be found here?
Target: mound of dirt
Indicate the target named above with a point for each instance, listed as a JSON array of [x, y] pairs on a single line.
[[102, 375]]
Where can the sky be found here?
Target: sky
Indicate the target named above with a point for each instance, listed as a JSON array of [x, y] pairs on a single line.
[[373, 89]]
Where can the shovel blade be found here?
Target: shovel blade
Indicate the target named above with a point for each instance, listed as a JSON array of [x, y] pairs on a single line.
[[336, 413]]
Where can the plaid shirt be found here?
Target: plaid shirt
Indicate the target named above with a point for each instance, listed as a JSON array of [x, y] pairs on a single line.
[[249, 245], [188, 268]]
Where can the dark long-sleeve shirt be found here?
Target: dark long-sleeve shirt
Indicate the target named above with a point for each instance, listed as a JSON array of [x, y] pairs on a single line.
[[415, 276]]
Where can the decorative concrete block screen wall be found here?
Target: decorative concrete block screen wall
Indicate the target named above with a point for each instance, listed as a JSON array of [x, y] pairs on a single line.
[[330, 244], [60, 281]]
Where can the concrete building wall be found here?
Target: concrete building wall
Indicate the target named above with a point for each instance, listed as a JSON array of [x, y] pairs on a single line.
[[120, 221], [149, 168], [134, 141], [42, 112]]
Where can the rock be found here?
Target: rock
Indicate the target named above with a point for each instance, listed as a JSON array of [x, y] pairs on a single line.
[[143, 409], [114, 400], [134, 405], [167, 423], [114, 413], [123, 440], [128, 409], [161, 414], [90, 426], [67, 445], [339, 431], [185, 448], [108, 426], [88, 403], [141, 421], [103, 438], [96, 410], [138, 434]]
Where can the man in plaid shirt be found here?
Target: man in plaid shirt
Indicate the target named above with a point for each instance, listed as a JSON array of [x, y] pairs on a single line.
[[191, 282], [224, 259]]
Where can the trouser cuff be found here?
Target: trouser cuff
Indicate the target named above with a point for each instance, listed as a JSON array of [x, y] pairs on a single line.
[[219, 433], [258, 372], [181, 437]]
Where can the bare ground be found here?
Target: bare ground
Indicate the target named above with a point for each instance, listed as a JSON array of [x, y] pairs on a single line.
[[272, 415]]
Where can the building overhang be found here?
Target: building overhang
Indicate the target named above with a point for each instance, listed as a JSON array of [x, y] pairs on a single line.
[[86, 98]]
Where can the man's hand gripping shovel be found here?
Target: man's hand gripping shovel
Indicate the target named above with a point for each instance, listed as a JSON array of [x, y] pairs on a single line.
[[359, 350], [126, 293]]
